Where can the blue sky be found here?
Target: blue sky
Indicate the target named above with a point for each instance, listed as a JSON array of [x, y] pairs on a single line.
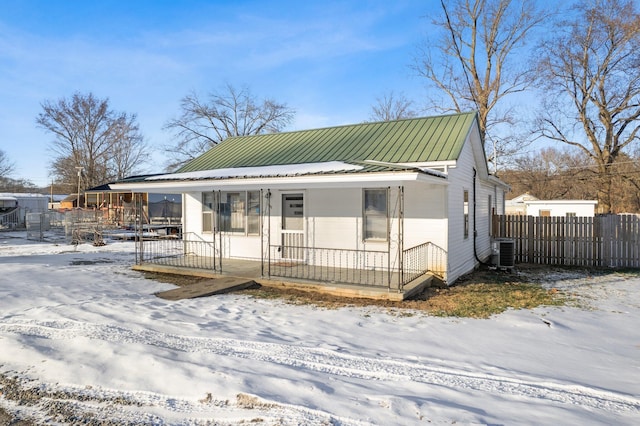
[[328, 60]]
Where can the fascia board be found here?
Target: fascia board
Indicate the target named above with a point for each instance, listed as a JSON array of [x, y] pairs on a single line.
[[338, 181], [431, 164]]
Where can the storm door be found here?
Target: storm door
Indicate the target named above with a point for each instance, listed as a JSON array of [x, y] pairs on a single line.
[[293, 233]]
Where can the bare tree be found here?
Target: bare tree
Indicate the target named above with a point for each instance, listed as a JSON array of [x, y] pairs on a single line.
[[589, 70], [106, 144], [475, 64], [127, 155], [226, 113], [550, 174], [6, 166], [390, 107], [17, 185]]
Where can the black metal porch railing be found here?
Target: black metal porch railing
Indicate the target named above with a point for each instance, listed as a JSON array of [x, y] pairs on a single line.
[[188, 252], [362, 267], [372, 268], [11, 219]]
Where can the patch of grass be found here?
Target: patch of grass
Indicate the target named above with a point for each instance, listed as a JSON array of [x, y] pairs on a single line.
[[481, 300], [471, 300]]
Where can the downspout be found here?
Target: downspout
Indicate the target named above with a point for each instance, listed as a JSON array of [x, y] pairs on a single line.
[[401, 237], [261, 224], [218, 228], [268, 233], [388, 240], [475, 231]]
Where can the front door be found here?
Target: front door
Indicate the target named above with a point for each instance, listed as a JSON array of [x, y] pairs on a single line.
[[293, 235]]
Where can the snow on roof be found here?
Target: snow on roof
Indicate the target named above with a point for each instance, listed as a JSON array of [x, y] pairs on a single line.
[[21, 195], [263, 171]]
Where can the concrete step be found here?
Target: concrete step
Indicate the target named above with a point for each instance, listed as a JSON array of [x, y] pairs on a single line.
[[206, 288]]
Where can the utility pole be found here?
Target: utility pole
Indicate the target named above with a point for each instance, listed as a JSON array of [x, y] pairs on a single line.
[[79, 169]]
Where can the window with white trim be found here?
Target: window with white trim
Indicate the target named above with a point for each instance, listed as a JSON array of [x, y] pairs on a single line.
[[465, 210], [253, 212], [237, 211], [231, 211], [207, 211], [375, 213]]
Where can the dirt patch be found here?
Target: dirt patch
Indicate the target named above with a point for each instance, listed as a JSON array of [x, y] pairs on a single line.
[[175, 279], [480, 294], [89, 262]]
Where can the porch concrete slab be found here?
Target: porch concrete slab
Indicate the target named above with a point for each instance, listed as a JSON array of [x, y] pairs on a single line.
[[250, 271], [206, 288]]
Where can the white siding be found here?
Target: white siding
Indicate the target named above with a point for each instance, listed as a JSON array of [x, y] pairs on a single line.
[[334, 218], [462, 259], [425, 215], [483, 218], [192, 218]]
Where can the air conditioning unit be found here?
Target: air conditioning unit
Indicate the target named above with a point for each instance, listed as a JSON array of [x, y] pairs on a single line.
[[504, 253]]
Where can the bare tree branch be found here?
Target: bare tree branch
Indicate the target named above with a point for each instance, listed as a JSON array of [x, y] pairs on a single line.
[[6, 166], [390, 107], [88, 134], [590, 72], [474, 63], [227, 113]]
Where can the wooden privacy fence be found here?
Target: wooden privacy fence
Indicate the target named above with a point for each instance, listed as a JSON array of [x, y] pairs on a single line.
[[606, 241]]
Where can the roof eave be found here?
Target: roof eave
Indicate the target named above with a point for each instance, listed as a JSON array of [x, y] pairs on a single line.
[[306, 181]]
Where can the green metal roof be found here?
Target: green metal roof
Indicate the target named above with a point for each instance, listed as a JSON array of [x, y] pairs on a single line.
[[415, 140]]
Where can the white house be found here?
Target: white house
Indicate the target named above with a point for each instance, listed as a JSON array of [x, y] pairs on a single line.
[[517, 205], [527, 204], [398, 198]]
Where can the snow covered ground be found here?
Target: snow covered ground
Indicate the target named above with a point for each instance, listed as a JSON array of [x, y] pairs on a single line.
[[85, 334]]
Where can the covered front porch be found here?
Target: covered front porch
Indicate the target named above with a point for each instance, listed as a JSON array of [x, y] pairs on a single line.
[[349, 273]]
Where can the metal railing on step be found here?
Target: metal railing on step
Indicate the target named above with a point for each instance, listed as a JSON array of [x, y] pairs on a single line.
[[423, 258], [189, 252], [11, 219]]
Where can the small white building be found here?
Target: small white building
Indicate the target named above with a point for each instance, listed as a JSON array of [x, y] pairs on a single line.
[[579, 208], [529, 205]]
